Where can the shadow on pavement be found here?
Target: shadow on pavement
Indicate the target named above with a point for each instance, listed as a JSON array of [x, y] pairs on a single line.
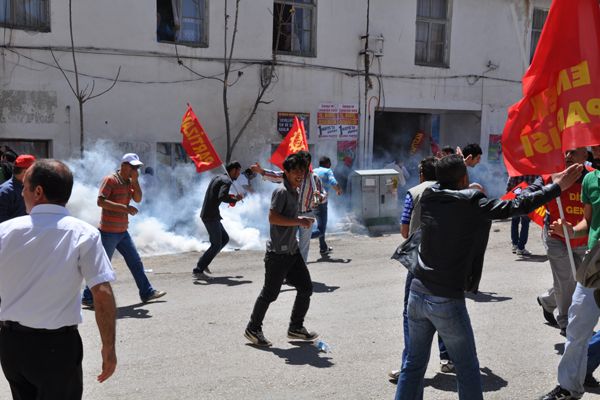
[[318, 287], [135, 310], [486, 297], [326, 258], [222, 280], [304, 353], [447, 382], [533, 258]]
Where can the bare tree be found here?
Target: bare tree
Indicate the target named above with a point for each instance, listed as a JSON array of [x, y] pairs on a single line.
[[85, 94]]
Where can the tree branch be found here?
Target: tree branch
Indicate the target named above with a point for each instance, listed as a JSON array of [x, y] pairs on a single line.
[[63, 73], [90, 97]]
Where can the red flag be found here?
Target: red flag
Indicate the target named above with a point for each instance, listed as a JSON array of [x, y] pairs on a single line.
[[560, 109], [536, 215], [293, 142], [197, 144]]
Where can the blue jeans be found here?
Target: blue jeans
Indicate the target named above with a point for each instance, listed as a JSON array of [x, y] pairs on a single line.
[[519, 240], [321, 214], [593, 360], [426, 314], [441, 346], [218, 239], [123, 243]]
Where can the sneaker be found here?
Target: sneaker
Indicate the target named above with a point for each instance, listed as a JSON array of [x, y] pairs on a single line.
[[523, 252], [200, 275], [157, 294], [89, 303], [514, 248], [302, 334], [326, 251], [207, 270], [446, 366], [591, 382], [559, 393], [394, 375], [257, 338], [548, 316]]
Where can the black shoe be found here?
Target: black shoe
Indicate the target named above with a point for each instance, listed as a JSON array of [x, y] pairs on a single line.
[[89, 303], [559, 394], [207, 270], [200, 275], [302, 334], [326, 251], [548, 316], [257, 338], [563, 332], [591, 382]]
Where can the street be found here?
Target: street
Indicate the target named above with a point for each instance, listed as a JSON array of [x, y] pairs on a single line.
[[190, 344]]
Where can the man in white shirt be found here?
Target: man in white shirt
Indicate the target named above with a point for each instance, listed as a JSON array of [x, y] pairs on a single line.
[[44, 258]]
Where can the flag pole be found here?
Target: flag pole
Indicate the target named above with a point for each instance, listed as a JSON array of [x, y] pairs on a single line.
[[567, 239]]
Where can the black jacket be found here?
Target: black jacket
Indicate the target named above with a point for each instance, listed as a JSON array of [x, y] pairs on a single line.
[[216, 193], [455, 227]]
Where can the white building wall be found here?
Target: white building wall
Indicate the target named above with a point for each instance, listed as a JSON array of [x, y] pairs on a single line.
[[149, 100]]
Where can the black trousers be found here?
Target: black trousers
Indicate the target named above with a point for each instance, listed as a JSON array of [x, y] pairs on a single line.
[[42, 365], [277, 268]]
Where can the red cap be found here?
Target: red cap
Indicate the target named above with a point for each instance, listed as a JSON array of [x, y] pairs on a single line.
[[24, 161]]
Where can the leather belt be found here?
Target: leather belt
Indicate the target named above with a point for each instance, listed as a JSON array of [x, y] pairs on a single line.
[[17, 327]]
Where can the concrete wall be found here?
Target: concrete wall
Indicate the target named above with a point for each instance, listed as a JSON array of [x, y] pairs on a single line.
[[149, 100]]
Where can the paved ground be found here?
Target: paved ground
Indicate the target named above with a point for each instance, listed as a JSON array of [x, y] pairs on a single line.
[[190, 346]]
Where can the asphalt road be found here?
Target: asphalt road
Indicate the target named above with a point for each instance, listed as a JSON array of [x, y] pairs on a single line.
[[190, 344]]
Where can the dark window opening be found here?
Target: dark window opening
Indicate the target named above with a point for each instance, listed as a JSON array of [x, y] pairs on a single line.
[[31, 15], [294, 27], [182, 22]]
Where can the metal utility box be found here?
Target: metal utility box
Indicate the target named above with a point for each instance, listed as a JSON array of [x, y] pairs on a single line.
[[375, 196]]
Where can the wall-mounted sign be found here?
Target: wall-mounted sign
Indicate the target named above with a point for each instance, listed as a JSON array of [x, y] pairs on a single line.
[[286, 119]]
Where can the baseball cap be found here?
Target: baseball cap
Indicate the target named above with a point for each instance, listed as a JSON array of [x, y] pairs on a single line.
[[132, 159], [24, 161]]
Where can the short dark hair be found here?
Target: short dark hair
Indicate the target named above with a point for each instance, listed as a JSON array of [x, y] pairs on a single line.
[[295, 161], [324, 161], [55, 178], [427, 168], [450, 170], [10, 156], [233, 165], [449, 150], [472, 149], [306, 155]]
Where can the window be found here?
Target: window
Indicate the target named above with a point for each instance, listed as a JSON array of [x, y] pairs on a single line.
[[294, 26], [31, 15], [171, 154], [433, 33], [182, 21], [537, 23]]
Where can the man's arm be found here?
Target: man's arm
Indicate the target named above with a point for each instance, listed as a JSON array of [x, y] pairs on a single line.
[[112, 206], [276, 218], [267, 174], [579, 230], [224, 193], [135, 184], [106, 312], [406, 215]]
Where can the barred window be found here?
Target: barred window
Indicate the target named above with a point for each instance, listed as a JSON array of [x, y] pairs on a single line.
[[30, 15], [294, 27], [182, 21], [432, 33], [537, 24]]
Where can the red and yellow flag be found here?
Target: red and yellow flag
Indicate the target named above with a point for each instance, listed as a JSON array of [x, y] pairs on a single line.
[[538, 215], [197, 144], [560, 108], [293, 142]]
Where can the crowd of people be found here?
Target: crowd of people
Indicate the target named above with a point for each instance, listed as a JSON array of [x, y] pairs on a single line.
[[445, 210]]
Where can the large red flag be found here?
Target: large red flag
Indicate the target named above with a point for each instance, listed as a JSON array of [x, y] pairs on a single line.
[[293, 142], [197, 144], [538, 215], [560, 109]]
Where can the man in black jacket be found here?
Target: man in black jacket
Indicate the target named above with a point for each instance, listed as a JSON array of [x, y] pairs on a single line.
[[455, 223], [216, 193]]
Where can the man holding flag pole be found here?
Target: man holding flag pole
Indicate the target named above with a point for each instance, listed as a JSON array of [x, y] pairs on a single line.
[[560, 110]]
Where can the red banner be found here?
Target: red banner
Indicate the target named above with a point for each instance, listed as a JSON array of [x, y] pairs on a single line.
[[293, 142], [560, 109], [197, 144], [538, 214]]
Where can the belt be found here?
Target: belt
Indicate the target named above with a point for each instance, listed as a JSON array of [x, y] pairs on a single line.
[[17, 327]]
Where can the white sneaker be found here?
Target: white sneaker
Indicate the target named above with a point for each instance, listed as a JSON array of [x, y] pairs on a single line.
[[523, 252], [514, 248], [394, 374]]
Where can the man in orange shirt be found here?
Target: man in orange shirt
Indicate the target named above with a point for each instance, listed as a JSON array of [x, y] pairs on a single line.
[[116, 191]]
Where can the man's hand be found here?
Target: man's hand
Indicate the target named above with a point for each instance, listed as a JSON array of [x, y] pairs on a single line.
[[257, 169], [109, 363], [135, 174], [468, 159], [556, 228], [567, 177], [131, 210], [306, 222]]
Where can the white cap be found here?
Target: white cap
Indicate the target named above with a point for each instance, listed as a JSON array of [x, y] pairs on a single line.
[[132, 159]]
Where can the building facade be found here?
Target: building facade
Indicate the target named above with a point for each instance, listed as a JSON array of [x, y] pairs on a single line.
[[374, 79]]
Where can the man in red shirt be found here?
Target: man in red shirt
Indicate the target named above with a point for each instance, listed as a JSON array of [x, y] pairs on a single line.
[[116, 191], [559, 296]]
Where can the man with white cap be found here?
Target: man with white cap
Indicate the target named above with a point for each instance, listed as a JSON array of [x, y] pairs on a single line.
[[116, 191], [11, 198]]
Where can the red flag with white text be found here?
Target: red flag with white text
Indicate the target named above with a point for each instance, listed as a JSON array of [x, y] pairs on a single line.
[[197, 143], [560, 108]]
